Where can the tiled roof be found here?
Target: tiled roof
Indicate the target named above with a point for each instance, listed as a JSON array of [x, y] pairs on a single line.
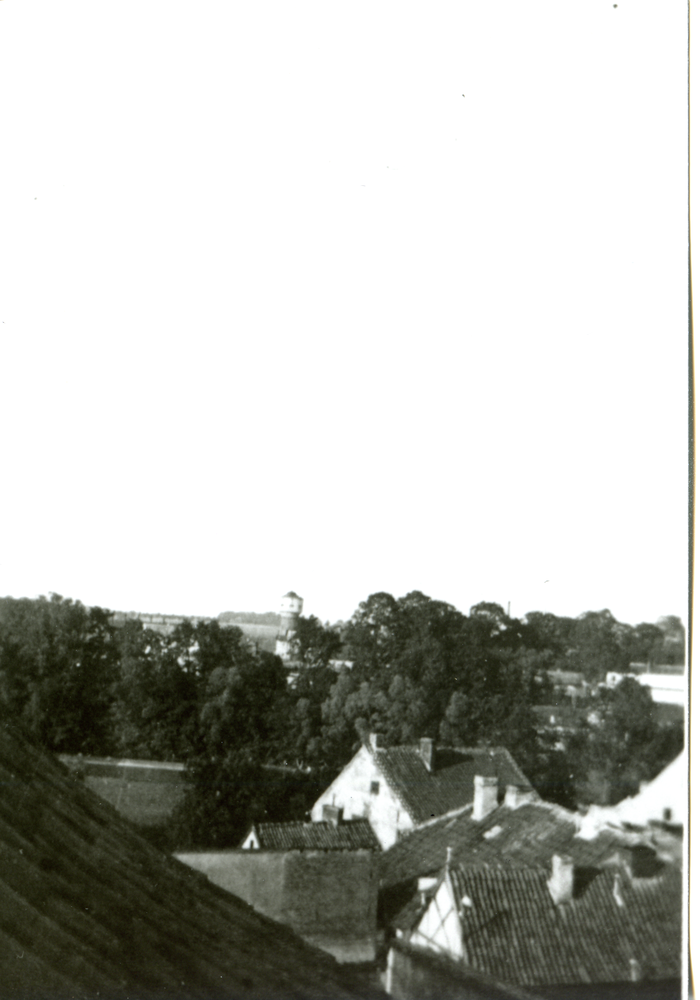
[[450, 784], [513, 930], [350, 835], [88, 908], [506, 838]]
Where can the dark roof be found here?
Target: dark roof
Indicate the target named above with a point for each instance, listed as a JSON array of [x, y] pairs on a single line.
[[450, 784], [506, 838], [88, 907], [350, 835], [514, 931]]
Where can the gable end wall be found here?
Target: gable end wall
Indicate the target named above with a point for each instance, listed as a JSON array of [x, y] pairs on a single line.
[[352, 790]]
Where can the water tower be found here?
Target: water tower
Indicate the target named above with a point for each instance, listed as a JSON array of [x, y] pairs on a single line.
[[290, 609]]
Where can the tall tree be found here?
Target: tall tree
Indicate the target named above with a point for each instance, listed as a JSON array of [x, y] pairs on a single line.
[[58, 662], [600, 645], [624, 744]]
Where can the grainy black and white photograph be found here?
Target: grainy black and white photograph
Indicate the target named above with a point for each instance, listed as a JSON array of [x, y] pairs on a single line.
[[344, 578]]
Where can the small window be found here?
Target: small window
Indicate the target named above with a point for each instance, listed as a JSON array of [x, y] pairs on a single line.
[[374, 788], [667, 815]]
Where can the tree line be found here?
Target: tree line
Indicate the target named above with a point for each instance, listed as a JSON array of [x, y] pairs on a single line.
[[258, 746]]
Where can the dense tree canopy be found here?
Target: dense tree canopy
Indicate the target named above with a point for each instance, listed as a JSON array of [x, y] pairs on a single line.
[[205, 695], [58, 664]]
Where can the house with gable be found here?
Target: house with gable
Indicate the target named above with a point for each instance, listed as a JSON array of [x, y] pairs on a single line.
[[606, 933], [397, 788]]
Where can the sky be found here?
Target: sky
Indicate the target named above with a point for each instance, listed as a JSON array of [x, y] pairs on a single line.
[[345, 298]]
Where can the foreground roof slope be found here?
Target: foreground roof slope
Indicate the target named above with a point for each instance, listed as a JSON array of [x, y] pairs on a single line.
[[88, 908], [449, 784]]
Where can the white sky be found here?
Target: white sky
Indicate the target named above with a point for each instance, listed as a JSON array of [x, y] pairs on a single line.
[[344, 297]]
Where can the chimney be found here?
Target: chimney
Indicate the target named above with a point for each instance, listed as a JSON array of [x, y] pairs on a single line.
[[561, 883], [427, 752], [332, 814], [376, 740], [517, 796], [485, 796]]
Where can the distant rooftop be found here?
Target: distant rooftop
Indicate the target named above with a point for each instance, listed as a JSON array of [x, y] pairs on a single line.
[[350, 835]]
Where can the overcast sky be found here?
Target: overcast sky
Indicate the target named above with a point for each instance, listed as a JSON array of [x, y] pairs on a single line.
[[342, 298]]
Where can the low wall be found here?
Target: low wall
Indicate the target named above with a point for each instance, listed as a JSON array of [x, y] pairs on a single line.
[[145, 792], [328, 897], [415, 974]]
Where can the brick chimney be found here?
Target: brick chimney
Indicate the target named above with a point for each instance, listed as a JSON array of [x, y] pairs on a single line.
[[376, 740], [561, 882], [427, 752], [332, 814], [485, 795]]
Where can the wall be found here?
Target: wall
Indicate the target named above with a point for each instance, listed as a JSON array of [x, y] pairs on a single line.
[[440, 928], [259, 880], [352, 790], [328, 897], [159, 623], [414, 975], [147, 793]]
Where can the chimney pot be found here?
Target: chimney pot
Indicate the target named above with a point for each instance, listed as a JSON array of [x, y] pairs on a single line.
[[516, 796], [561, 882], [485, 795], [427, 752]]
